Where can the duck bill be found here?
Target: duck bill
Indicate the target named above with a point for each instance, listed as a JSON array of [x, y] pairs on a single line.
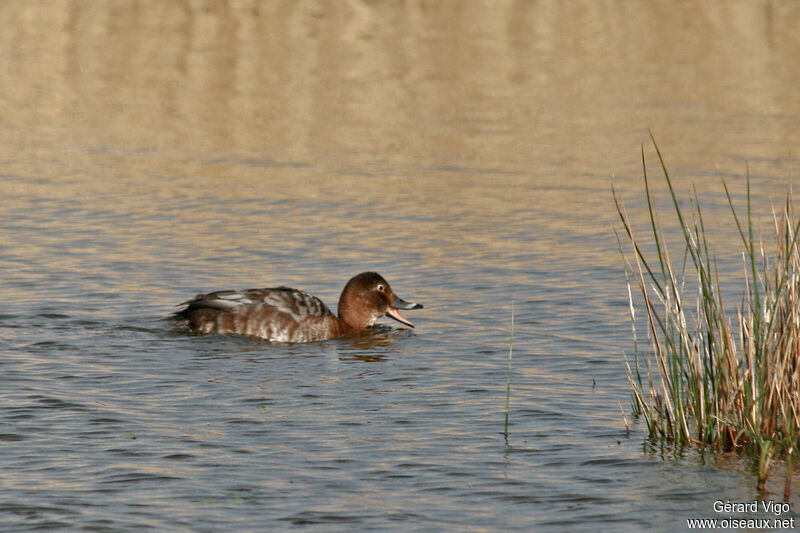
[[394, 313], [397, 304]]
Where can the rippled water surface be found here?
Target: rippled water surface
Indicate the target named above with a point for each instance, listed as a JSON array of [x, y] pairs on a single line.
[[151, 151]]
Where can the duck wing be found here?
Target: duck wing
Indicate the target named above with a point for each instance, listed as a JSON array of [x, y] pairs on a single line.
[[299, 304]]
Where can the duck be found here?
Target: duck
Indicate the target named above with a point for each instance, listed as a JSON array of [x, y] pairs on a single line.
[[286, 315]]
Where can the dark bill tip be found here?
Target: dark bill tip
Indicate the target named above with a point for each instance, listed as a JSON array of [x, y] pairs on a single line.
[[399, 303]]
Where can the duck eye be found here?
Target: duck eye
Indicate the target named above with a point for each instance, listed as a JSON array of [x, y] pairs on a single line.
[[380, 287]]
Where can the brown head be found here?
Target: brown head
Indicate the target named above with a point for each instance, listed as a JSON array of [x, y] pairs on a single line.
[[367, 297]]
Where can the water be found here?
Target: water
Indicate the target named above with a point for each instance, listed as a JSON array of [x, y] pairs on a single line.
[[153, 151]]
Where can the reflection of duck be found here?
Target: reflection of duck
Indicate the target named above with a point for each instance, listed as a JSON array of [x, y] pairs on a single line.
[[289, 315]]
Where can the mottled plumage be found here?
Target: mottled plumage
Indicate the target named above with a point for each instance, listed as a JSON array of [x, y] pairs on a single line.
[[282, 314]]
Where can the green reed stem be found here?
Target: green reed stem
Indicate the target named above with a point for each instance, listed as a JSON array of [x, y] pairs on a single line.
[[508, 377]]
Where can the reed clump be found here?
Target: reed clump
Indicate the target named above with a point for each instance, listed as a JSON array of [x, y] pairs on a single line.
[[718, 377]]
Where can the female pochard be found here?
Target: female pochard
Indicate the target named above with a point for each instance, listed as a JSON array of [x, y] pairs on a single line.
[[282, 314]]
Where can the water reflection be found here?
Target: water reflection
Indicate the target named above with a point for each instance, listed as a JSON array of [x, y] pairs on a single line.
[[374, 346], [339, 88]]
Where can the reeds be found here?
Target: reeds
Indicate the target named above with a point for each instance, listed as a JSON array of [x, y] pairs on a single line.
[[720, 379]]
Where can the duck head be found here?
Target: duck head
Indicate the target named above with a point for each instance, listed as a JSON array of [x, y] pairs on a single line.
[[367, 297]]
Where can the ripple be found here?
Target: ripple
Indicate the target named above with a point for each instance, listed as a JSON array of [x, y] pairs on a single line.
[[135, 477]]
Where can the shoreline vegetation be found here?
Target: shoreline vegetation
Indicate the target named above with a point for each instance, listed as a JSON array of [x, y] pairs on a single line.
[[715, 377]]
